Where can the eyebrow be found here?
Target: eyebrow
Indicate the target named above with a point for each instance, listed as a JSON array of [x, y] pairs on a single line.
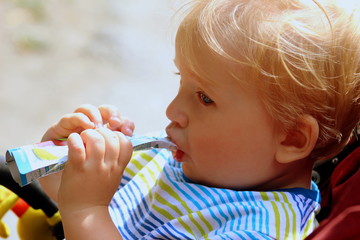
[[198, 78]]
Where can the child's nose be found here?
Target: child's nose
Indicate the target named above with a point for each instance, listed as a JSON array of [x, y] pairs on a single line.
[[175, 112]]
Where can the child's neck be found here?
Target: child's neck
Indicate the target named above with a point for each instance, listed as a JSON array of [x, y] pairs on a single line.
[[297, 176]]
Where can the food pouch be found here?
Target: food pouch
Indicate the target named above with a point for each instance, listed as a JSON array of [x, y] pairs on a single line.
[[30, 162]]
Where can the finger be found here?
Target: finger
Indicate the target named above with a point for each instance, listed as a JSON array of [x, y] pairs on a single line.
[[69, 123], [75, 120], [111, 115], [108, 111], [126, 150], [92, 113], [76, 155], [94, 146], [112, 145], [127, 126]]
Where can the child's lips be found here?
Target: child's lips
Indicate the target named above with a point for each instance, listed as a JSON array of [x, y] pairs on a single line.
[[178, 155]]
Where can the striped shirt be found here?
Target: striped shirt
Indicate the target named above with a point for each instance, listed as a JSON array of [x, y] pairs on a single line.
[[156, 201]]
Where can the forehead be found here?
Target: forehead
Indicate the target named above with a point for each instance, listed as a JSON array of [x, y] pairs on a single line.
[[194, 57], [207, 57]]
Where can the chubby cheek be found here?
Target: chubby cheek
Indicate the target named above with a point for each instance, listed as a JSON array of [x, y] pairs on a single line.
[[220, 146], [224, 160], [208, 154]]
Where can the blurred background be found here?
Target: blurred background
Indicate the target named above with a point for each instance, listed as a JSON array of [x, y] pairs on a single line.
[[56, 55]]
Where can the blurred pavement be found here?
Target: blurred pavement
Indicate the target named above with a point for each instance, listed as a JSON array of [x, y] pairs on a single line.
[[115, 52], [56, 55]]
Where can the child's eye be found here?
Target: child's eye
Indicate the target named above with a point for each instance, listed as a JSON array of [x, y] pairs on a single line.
[[204, 99]]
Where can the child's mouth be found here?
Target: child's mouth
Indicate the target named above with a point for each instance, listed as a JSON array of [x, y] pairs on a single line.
[[178, 155]]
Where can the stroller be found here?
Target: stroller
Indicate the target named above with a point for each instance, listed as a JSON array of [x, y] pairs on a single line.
[[38, 215], [339, 183]]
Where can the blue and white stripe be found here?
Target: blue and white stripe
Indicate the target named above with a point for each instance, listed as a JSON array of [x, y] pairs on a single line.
[[155, 201]]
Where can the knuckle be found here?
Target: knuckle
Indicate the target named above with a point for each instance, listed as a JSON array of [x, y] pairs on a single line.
[[78, 115], [91, 133], [107, 106], [124, 141], [68, 116], [110, 135]]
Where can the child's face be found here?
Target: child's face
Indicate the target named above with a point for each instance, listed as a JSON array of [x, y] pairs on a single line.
[[225, 136]]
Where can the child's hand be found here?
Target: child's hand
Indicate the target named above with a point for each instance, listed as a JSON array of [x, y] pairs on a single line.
[[83, 118], [96, 162], [89, 117]]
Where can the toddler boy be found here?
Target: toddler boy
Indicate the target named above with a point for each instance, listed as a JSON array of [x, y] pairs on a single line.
[[268, 87]]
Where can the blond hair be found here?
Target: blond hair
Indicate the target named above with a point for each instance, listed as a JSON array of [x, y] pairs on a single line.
[[303, 56]]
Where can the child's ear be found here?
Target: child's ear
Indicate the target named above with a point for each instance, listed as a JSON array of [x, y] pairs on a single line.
[[298, 143]]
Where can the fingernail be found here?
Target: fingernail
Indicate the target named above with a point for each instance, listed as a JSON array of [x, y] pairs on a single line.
[[128, 131]]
